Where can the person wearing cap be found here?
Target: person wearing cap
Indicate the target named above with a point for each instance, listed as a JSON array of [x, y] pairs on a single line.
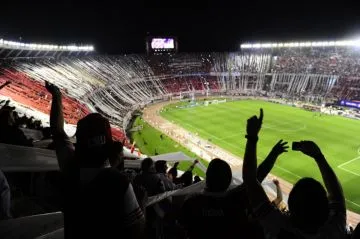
[[99, 202]]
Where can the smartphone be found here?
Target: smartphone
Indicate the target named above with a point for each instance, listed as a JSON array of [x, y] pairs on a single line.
[[296, 146]]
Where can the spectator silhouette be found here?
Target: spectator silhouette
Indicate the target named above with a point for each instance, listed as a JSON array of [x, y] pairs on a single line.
[[173, 173], [150, 180], [161, 168], [312, 213], [212, 214], [99, 201], [197, 179], [10, 133], [186, 179]]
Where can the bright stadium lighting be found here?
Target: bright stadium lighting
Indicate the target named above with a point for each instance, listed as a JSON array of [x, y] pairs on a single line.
[[280, 45], [46, 47], [357, 43], [266, 45], [245, 46], [274, 45], [256, 45]]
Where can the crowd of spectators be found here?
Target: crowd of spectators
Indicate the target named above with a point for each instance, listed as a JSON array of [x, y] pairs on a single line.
[[112, 201], [330, 61], [191, 83]]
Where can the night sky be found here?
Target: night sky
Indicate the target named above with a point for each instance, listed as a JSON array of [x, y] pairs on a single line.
[[117, 27]]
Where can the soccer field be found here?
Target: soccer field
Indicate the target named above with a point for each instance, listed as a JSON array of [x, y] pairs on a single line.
[[338, 137]]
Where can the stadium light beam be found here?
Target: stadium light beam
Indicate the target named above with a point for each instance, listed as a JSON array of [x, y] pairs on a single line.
[[43, 47], [345, 43]]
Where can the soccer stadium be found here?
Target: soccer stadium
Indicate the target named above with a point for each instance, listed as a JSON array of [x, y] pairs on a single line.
[[187, 112]]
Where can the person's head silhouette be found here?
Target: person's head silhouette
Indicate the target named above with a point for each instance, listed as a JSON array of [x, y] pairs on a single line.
[[308, 205], [93, 141], [218, 176]]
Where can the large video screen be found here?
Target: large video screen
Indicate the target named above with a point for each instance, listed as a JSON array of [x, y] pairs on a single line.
[[162, 43]]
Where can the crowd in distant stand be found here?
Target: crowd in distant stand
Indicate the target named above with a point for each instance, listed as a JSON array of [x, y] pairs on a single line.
[[101, 201], [331, 62]]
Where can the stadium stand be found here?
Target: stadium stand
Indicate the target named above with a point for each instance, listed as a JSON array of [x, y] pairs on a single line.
[[118, 86]]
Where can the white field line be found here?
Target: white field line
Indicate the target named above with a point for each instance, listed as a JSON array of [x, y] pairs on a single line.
[[347, 162], [352, 202], [281, 168], [349, 171], [287, 171], [341, 166]]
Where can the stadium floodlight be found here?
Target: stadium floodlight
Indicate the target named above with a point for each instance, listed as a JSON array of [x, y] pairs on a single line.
[[338, 43], [46, 47], [350, 42], [357, 43], [245, 46], [266, 45]]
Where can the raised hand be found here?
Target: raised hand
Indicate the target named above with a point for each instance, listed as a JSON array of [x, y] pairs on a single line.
[[280, 147], [310, 148], [275, 181], [254, 124], [53, 89]]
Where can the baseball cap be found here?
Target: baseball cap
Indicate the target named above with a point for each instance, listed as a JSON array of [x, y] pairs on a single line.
[[93, 131]]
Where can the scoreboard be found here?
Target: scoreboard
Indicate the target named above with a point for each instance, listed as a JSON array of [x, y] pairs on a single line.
[[160, 45]]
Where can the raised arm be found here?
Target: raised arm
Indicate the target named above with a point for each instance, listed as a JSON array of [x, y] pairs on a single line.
[[332, 184], [266, 166], [192, 166], [279, 196], [256, 193], [56, 113], [64, 148]]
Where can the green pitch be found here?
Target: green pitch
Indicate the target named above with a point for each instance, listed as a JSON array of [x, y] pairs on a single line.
[[338, 137], [150, 143]]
